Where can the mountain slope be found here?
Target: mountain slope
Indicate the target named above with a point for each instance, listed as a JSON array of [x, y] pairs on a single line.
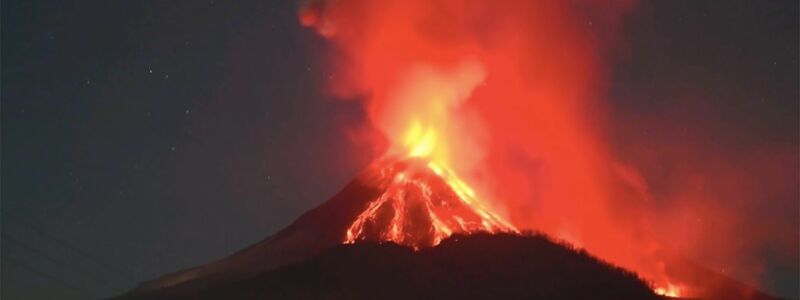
[[478, 266], [312, 233], [407, 201], [307, 259]]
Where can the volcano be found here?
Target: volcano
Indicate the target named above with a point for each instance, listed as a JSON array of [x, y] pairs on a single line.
[[409, 225], [410, 202]]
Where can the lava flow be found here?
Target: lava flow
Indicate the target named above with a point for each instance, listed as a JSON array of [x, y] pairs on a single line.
[[423, 203]]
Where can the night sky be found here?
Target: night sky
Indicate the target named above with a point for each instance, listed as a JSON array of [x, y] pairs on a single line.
[[144, 137]]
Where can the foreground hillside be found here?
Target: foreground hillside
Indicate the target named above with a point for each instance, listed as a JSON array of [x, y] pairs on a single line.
[[480, 266]]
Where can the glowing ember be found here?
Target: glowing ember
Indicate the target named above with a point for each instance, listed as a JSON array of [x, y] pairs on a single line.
[[670, 290]]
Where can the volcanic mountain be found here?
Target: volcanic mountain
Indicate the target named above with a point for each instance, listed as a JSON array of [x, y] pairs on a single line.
[[404, 228], [406, 201]]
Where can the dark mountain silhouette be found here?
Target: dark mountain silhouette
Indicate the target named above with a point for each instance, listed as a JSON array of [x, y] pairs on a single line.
[[315, 231], [478, 266], [307, 260]]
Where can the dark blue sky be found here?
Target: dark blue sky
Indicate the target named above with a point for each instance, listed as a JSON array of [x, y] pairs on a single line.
[[143, 137]]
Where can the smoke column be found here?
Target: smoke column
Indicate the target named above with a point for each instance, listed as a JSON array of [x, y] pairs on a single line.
[[514, 90]]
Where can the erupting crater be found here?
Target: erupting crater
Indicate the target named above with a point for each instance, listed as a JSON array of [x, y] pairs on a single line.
[[422, 203]]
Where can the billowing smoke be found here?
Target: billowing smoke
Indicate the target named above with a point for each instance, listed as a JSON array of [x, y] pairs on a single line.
[[513, 90]]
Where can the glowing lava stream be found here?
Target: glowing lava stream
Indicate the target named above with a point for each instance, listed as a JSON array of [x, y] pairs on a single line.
[[670, 291], [424, 203]]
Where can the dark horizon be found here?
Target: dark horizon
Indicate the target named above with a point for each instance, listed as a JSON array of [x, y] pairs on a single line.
[[143, 138]]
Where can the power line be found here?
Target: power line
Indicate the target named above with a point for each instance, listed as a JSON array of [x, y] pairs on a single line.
[[66, 244], [52, 259], [43, 274]]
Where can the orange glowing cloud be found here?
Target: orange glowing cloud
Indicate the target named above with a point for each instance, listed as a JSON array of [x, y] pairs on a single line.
[[504, 94]]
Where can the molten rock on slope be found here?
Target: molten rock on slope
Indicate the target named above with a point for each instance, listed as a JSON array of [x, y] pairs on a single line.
[[422, 204]]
